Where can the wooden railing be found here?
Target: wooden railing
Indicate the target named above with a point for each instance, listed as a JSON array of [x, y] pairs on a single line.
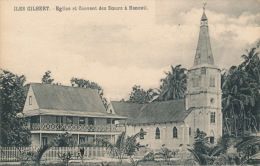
[[76, 127]]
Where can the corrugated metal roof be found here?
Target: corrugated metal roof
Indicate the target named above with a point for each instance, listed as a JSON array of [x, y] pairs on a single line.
[[57, 97], [127, 109], [70, 113], [156, 112]]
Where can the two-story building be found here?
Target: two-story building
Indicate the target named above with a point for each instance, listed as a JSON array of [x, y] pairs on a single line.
[[54, 109]]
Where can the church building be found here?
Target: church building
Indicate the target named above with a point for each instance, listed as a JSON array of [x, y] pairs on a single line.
[[173, 123]]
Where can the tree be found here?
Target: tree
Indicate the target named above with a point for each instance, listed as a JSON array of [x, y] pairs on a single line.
[[139, 95], [248, 146], [174, 84], [13, 95], [82, 83], [205, 153], [46, 78], [123, 146], [64, 140], [241, 98]]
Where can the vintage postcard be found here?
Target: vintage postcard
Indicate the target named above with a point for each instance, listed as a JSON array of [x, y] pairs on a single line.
[[143, 82]]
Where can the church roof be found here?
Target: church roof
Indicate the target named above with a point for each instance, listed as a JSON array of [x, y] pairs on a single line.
[[127, 109], [204, 54], [156, 112], [204, 17]]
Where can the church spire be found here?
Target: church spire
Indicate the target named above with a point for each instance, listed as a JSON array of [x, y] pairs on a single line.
[[204, 53]]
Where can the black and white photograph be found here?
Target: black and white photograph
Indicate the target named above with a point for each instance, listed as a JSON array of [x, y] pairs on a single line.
[[129, 82]]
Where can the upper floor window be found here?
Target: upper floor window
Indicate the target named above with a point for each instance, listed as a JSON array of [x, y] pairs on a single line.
[[69, 120], [35, 119], [91, 121], [30, 100], [82, 120], [175, 132], [108, 121], [190, 131], [212, 81], [203, 71], [141, 133], [157, 133], [59, 119], [212, 117], [196, 82]]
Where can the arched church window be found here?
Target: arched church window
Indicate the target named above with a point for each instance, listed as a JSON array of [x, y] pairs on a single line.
[[212, 117], [175, 132], [189, 131], [141, 133], [211, 138], [157, 133], [212, 81]]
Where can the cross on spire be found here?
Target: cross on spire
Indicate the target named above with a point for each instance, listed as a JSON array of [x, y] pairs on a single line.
[[204, 4]]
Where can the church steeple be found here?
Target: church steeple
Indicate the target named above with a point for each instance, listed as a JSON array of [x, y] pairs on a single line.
[[203, 53]]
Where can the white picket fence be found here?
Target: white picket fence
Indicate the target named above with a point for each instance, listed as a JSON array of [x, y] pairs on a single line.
[[14, 154]]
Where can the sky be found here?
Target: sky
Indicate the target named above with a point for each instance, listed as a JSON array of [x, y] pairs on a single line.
[[120, 49]]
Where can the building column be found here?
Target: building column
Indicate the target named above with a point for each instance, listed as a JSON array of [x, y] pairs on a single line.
[[95, 137], [40, 130], [188, 134], [78, 139], [40, 139]]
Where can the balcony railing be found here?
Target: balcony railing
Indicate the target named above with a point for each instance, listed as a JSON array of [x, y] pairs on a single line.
[[76, 127]]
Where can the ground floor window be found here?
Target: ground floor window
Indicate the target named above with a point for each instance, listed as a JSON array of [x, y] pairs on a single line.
[[44, 141], [82, 140], [211, 140]]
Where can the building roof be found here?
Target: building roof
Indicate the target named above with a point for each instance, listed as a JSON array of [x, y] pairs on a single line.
[[65, 100], [156, 112], [70, 113], [127, 109], [204, 17], [204, 52]]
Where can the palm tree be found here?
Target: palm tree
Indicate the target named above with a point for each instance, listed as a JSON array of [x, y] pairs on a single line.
[[174, 84], [238, 93], [249, 146], [123, 146], [251, 64]]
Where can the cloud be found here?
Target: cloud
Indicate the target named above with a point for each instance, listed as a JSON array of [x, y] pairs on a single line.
[[119, 50]]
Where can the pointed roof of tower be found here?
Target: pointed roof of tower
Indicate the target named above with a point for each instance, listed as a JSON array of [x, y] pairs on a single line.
[[204, 54]]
